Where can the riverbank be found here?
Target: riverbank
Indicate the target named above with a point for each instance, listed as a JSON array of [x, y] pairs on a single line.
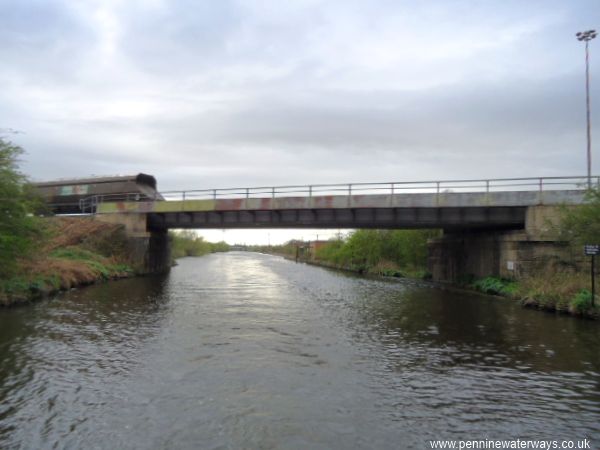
[[558, 292], [73, 252], [384, 269]]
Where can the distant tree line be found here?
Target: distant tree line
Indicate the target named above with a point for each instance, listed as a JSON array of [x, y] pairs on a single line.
[[286, 249], [389, 252], [188, 243]]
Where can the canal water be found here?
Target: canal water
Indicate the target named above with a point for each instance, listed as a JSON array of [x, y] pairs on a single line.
[[243, 350]]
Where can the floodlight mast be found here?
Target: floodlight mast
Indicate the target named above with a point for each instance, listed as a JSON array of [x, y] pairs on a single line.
[[587, 36]]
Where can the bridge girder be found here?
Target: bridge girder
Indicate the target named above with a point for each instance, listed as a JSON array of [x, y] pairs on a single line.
[[391, 218]]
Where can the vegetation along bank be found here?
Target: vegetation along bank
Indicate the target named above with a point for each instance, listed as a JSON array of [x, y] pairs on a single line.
[[65, 252], [187, 243]]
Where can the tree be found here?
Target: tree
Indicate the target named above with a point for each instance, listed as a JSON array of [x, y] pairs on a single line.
[[364, 248], [407, 247], [18, 227], [581, 224], [188, 243]]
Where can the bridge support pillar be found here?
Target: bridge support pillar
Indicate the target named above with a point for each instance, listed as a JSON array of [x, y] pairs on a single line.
[[150, 250], [460, 255]]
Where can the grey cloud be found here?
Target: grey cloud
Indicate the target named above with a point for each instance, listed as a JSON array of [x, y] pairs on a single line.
[[43, 42], [176, 35], [404, 121], [471, 131], [247, 93]]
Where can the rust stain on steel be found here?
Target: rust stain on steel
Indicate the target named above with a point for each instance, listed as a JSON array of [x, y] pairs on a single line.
[[292, 203], [325, 201], [230, 204], [370, 201], [265, 203]]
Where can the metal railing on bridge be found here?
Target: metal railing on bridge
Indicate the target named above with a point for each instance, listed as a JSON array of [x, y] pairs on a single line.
[[540, 184]]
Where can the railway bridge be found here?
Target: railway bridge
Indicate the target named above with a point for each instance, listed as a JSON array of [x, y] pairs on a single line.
[[498, 227]]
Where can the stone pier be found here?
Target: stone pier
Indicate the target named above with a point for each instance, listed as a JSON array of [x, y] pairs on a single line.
[[460, 255], [150, 250]]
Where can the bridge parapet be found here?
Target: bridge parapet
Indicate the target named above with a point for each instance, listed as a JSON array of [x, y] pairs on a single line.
[[441, 200], [398, 194]]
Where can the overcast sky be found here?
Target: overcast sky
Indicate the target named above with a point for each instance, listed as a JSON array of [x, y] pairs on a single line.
[[206, 94]]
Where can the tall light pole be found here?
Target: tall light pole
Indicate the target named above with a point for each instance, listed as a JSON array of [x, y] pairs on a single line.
[[587, 36]]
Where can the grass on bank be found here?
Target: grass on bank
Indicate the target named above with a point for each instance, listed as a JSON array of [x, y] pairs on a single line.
[[71, 252], [102, 266], [565, 292], [52, 273]]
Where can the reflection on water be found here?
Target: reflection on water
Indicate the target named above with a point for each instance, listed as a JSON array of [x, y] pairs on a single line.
[[251, 351]]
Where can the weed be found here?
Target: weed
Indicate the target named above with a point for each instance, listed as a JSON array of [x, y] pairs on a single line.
[[494, 285], [582, 302], [75, 253]]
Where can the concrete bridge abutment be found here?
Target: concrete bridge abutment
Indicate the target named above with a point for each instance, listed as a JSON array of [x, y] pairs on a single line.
[[463, 254], [149, 250]]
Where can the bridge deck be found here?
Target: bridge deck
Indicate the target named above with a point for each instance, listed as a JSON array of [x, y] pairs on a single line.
[[437, 210]]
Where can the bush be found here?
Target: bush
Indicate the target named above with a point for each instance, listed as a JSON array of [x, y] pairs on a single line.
[[582, 302], [187, 243], [385, 252], [496, 286], [330, 252], [581, 224]]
